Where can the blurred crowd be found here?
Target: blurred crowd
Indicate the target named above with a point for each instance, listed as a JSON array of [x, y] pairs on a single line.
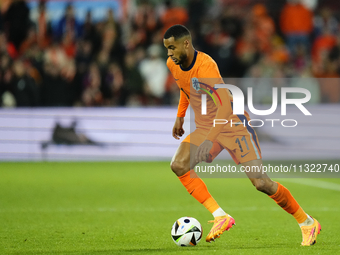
[[120, 61]]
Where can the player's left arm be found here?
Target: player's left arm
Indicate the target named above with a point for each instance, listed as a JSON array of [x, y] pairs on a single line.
[[224, 110]]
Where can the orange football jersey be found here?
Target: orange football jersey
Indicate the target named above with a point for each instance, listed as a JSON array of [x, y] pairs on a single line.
[[200, 78]]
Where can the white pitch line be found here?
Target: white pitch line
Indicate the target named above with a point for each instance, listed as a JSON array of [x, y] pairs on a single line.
[[114, 210], [316, 183]]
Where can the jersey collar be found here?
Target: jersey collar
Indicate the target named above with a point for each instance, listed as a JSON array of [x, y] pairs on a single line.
[[192, 63]]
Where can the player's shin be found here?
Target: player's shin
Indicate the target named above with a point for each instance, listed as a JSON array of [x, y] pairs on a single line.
[[197, 188], [285, 199]]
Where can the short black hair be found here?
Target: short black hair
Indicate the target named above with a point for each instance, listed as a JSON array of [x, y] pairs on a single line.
[[177, 31]]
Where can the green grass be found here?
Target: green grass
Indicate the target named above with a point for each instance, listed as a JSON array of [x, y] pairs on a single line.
[[129, 208]]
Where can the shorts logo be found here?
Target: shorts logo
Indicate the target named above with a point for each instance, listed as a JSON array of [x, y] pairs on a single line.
[[242, 156]]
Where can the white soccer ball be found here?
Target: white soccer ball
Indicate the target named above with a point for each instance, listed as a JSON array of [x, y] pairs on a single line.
[[186, 231]]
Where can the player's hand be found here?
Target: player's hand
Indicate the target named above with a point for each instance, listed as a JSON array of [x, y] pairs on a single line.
[[177, 130], [202, 153]]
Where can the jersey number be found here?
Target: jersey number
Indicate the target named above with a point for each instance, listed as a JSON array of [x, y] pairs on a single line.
[[239, 143]]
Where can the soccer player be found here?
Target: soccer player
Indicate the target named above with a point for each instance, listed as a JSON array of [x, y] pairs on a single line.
[[195, 74]]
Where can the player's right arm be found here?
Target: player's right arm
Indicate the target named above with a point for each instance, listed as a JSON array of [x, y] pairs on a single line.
[[177, 130], [183, 104]]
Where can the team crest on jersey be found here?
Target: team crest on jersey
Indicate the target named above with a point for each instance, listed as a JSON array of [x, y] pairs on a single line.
[[196, 84]]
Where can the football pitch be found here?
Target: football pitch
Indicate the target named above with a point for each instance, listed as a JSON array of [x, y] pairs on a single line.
[[129, 208]]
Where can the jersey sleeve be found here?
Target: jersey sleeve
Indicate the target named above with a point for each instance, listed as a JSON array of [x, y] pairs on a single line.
[[183, 101], [182, 105]]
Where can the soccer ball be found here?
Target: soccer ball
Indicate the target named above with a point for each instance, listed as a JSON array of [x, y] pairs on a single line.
[[186, 231]]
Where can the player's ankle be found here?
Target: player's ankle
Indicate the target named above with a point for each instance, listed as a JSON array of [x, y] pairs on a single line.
[[219, 212], [308, 222]]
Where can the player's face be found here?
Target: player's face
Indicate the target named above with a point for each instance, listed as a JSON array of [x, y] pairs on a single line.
[[176, 49]]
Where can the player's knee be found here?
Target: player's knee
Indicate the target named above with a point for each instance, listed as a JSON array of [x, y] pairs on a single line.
[[260, 185], [179, 168]]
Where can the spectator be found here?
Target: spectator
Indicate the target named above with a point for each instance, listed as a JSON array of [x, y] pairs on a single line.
[[31, 39], [301, 60], [54, 90], [68, 45], [221, 48], [247, 50], [91, 34], [68, 25], [88, 64], [112, 22], [43, 26], [83, 55], [4, 5], [6, 77], [264, 27], [3, 43], [173, 15], [34, 57], [23, 87], [112, 38], [88, 30], [231, 23], [334, 54], [296, 24], [279, 52], [1, 22], [92, 94], [113, 83], [103, 60], [196, 9], [323, 45], [7, 99], [325, 21], [144, 24], [155, 72], [133, 89], [56, 56], [68, 77], [17, 23], [171, 91], [310, 4]]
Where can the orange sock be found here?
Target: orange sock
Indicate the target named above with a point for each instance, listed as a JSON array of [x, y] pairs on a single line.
[[285, 199], [196, 187]]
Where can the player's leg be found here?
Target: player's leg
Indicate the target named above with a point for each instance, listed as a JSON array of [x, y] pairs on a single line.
[[183, 168], [260, 180], [276, 191], [182, 162], [244, 148], [281, 195]]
